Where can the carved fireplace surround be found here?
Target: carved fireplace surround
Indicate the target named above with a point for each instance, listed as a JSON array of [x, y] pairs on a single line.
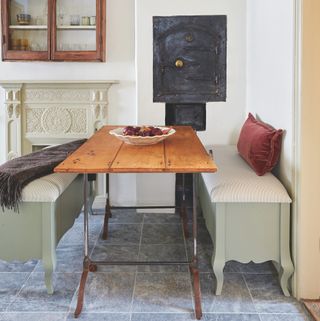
[[41, 113]]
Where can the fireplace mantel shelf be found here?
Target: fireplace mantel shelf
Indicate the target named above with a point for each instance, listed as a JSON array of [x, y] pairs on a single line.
[[49, 112], [45, 112]]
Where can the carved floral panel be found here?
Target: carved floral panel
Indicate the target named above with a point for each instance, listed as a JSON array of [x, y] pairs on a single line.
[[33, 120], [56, 120]]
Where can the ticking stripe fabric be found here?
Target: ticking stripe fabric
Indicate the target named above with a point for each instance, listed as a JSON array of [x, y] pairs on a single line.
[[236, 182], [15, 174], [47, 188]]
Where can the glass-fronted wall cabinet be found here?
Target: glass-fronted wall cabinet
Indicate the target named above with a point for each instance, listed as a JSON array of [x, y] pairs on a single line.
[[58, 30]]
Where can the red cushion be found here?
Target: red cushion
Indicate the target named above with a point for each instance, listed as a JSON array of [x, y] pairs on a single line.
[[259, 145]]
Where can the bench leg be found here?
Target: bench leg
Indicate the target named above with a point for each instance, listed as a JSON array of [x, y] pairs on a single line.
[[48, 244], [285, 258], [48, 273], [218, 257]]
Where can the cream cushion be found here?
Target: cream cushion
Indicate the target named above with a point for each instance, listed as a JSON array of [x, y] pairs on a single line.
[[236, 182], [47, 188]]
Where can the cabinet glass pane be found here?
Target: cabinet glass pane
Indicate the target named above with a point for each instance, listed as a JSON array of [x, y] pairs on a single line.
[[28, 25], [28, 40], [76, 25]]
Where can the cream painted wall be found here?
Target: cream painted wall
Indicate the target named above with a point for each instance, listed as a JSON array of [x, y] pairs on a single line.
[[271, 80], [223, 118], [119, 66], [308, 166], [270, 77], [272, 95]]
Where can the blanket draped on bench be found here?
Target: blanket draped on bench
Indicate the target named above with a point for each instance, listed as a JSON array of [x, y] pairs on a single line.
[[17, 173]]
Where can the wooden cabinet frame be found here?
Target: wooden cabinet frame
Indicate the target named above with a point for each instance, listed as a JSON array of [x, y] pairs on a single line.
[[52, 54]]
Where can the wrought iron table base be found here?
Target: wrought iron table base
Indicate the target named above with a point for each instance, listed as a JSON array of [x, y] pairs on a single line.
[[182, 208], [91, 266]]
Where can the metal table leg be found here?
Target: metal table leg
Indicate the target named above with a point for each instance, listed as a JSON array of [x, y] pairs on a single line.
[[183, 209], [107, 212], [194, 263], [91, 266], [87, 265]]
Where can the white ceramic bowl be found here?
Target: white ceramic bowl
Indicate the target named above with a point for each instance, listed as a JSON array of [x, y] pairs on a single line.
[[140, 140]]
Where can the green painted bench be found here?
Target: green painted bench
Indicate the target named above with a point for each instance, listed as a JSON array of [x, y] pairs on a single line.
[[48, 209], [247, 216]]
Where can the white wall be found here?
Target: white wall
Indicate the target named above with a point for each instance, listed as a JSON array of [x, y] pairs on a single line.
[[223, 118], [270, 62], [271, 93], [119, 66]]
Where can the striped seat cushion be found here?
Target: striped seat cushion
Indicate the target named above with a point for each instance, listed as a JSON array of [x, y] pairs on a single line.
[[47, 188], [236, 182]]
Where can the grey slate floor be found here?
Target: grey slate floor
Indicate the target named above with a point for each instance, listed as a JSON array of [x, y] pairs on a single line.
[[127, 293]]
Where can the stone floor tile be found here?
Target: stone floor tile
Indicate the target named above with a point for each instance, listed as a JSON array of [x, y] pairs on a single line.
[[235, 296], [162, 252], [75, 235], [231, 317], [262, 281], [158, 296], [33, 296], [164, 218], [162, 317], [101, 317], [267, 295], [162, 234], [273, 301], [33, 316], [93, 219], [17, 266], [107, 292], [69, 259], [163, 292], [126, 217], [285, 317], [121, 216], [109, 252], [122, 234], [10, 285]]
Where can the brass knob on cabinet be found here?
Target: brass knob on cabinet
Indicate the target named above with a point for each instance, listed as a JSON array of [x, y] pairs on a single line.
[[189, 38], [179, 63]]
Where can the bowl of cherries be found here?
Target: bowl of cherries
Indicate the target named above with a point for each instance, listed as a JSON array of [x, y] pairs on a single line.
[[142, 135]]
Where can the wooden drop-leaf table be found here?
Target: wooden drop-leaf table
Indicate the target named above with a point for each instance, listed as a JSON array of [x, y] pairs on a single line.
[[103, 153]]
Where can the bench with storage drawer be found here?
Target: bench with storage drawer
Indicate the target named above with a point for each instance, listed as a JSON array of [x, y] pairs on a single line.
[[48, 209], [247, 216]]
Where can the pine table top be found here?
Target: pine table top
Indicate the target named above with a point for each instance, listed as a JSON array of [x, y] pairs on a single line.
[[181, 152]]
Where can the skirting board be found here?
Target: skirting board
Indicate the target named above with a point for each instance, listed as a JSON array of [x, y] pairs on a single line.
[[100, 202], [158, 210]]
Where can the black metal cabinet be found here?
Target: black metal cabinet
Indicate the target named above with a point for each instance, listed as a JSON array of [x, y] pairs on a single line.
[[189, 59], [186, 115]]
